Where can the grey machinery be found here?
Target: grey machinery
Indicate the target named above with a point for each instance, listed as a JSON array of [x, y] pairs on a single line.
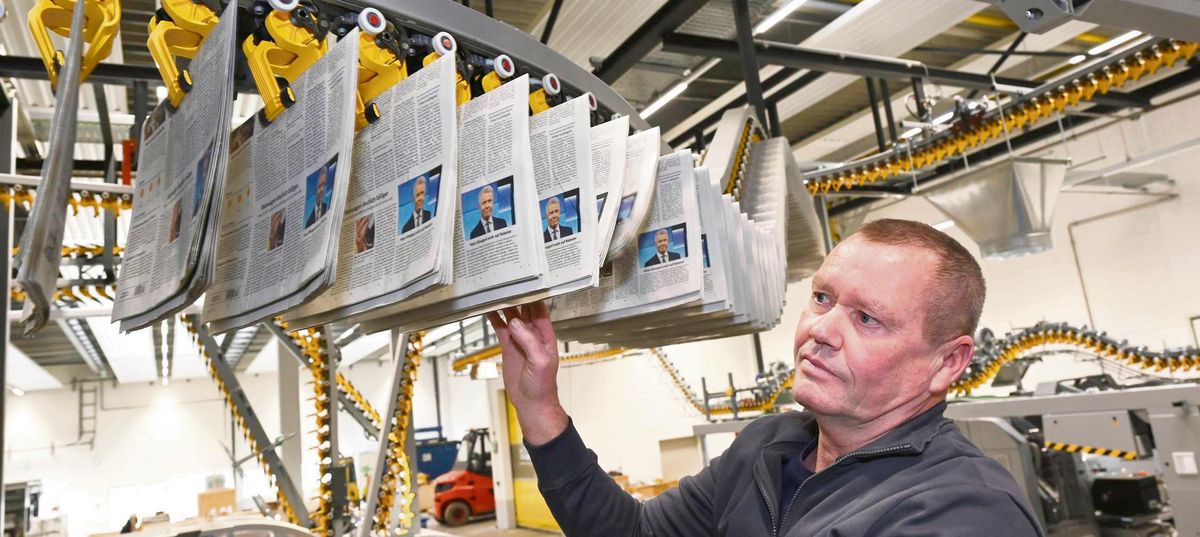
[[1162, 423]]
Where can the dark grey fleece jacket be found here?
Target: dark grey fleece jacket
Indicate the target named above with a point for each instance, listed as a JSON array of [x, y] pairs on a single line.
[[922, 479]]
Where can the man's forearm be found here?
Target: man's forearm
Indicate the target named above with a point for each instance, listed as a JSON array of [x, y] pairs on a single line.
[[541, 423]]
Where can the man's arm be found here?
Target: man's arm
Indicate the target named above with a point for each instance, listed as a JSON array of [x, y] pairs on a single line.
[[583, 498], [978, 511]]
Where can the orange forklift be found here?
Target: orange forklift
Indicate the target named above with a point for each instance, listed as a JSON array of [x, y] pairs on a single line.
[[466, 491]]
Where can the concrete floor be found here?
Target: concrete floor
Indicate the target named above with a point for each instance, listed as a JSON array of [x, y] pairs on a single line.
[[482, 528]]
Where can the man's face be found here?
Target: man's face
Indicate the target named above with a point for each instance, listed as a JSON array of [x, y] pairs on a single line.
[[552, 214], [662, 240], [324, 176], [859, 348], [485, 204], [419, 196]]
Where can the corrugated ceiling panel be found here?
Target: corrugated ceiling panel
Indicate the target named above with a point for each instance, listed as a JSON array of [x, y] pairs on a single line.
[[881, 27], [187, 362], [586, 29]]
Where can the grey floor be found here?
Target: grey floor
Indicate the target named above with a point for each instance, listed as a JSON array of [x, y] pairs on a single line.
[[483, 528]]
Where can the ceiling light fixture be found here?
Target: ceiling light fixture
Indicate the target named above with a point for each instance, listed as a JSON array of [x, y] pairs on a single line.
[[1114, 42], [17, 391], [943, 226], [777, 16], [1077, 59], [666, 98], [161, 92], [911, 132]]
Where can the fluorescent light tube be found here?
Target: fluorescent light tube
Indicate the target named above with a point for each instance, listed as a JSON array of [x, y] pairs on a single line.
[[666, 98]]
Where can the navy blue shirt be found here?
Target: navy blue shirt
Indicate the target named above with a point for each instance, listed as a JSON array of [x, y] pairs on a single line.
[[794, 474]]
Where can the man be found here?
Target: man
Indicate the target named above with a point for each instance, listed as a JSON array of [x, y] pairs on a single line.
[[884, 334], [420, 215], [662, 241], [319, 206], [487, 223], [554, 231]]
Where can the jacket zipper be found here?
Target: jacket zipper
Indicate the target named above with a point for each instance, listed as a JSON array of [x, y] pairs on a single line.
[[767, 500], [874, 452]]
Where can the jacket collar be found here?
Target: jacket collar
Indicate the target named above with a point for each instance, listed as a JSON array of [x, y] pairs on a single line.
[[801, 427]]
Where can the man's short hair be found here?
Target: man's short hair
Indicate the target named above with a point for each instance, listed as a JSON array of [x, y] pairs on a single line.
[[553, 201], [663, 232], [487, 189], [420, 181], [957, 289]]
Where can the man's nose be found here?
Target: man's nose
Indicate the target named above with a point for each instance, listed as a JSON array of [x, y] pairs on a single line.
[[826, 329]]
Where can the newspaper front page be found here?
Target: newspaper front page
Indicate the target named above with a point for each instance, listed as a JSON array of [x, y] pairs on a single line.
[[637, 189], [499, 256], [608, 174], [181, 163], [560, 140], [396, 234], [666, 268], [285, 192]]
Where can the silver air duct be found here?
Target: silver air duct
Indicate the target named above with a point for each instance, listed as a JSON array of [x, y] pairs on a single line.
[[1007, 207]]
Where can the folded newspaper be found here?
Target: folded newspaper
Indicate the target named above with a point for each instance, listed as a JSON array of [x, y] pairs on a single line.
[[499, 255], [168, 261], [284, 195], [397, 230], [744, 227]]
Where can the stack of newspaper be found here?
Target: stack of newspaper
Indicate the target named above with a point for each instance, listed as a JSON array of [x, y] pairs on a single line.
[[712, 258], [398, 228], [168, 262], [284, 196], [499, 255]]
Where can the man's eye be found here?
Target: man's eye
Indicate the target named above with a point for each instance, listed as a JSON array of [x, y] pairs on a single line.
[[820, 298], [867, 319]]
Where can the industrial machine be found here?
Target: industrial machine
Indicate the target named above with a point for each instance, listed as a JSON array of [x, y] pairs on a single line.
[[467, 491], [1093, 463]]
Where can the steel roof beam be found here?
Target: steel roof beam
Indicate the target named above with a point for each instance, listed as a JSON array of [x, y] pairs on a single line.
[[643, 40], [861, 65]]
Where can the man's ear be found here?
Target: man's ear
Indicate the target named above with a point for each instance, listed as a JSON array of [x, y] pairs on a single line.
[[954, 356]]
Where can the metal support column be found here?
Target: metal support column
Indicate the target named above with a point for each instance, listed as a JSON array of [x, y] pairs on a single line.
[[775, 127], [823, 219], [339, 504], [918, 86], [347, 404], [873, 96], [289, 412], [758, 355], [283, 480], [745, 38], [887, 108], [551, 20], [8, 138], [110, 176], [373, 508]]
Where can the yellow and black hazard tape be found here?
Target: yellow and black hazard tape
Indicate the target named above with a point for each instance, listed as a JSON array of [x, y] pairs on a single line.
[[1076, 448]]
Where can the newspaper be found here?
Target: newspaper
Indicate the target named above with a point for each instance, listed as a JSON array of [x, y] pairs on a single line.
[[167, 263], [560, 141], [41, 243], [637, 189], [608, 173], [284, 195], [397, 232], [665, 269], [499, 255]]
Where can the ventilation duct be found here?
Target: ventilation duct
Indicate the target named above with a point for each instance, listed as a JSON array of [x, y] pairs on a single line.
[[1007, 207]]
